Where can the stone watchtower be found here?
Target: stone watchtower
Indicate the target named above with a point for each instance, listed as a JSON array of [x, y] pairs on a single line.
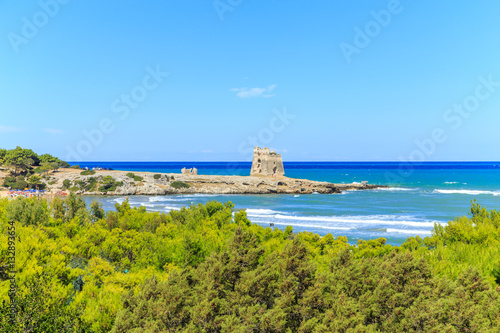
[[266, 163]]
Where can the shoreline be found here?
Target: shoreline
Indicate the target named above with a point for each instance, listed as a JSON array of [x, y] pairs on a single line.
[[150, 183]]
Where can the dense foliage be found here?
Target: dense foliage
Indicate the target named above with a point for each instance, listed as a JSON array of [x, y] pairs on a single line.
[[207, 268], [26, 168], [21, 160]]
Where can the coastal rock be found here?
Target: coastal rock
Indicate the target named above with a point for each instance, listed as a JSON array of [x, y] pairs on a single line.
[[206, 184]]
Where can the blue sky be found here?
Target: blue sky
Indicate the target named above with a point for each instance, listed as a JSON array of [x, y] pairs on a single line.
[[208, 80]]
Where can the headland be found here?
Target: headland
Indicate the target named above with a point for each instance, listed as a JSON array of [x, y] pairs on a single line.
[[148, 183]]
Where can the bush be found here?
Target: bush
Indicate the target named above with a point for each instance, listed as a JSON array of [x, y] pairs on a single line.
[[20, 185], [109, 184], [75, 167], [133, 176], [91, 185], [87, 173], [172, 177], [66, 183], [179, 184], [16, 183], [157, 176], [9, 181]]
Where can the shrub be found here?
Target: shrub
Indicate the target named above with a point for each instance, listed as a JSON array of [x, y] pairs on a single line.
[[66, 183], [16, 183], [172, 177], [87, 173], [91, 184], [179, 184], [133, 176], [75, 167], [52, 182], [9, 181], [157, 176], [108, 184], [20, 185]]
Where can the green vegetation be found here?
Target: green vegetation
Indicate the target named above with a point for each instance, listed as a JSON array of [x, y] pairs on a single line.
[[47, 158], [75, 167], [16, 183], [91, 184], [87, 173], [35, 182], [179, 184], [2, 155], [23, 164], [136, 178], [157, 176], [20, 159], [108, 184], [88, 184], [66, 184], [203, 269]]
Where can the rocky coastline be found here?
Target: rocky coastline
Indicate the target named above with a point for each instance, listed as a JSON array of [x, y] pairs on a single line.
[[148, 183]]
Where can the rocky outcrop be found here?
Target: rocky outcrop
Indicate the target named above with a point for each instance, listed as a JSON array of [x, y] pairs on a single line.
[[207, 184]]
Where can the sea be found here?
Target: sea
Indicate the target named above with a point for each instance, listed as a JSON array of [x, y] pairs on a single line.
[[419, 196]]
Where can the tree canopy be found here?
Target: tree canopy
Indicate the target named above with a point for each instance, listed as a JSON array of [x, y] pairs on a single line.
[[21, 160], [207, 268]]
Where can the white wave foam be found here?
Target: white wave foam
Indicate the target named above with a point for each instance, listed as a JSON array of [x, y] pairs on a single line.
[[172, 207], [257, 212], [156, 199], [394, 189], [469, 192], [167, 198], [370, 219], [296, 195], [119, 200], [451, 182], [406, 231], [311, 226]]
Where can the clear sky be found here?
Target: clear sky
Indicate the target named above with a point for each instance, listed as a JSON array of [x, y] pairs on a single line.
[[207, 80]]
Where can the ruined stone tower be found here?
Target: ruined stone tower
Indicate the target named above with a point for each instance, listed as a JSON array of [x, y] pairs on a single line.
[[266, 163]]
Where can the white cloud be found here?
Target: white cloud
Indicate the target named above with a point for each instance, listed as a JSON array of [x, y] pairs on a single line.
[[254, 92], [53, 131], [9, 129]]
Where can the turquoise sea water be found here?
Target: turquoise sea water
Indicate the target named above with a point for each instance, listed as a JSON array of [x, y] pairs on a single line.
[[419, 196]]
